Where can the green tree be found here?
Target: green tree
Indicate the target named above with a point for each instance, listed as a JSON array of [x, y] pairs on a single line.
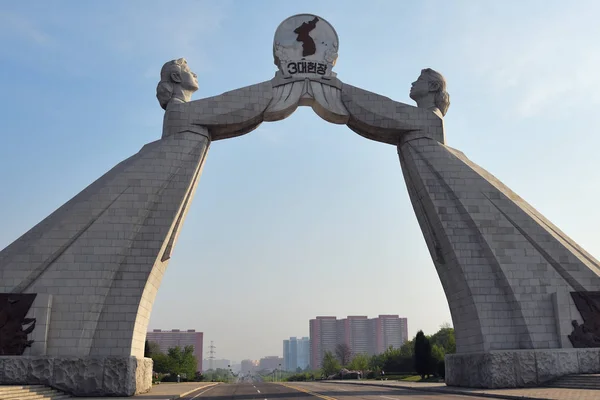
[[423, 357], [393, 361], [182, 361], [218, 375], [151, 348], [451, 349], [445, 339], [437, 352], [162, 363], [360, 362], [198, 377], [343, 353], [437, 357], [376, 362], [408, 349], [330, 364]]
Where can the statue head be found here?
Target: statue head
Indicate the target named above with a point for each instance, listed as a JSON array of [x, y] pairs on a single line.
[[177, 83], [429, 91]]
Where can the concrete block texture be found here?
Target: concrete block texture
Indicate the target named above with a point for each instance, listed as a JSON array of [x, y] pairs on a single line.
[[381, 119], [506, 270], [518, 368], [227, 115], [102, 255], [80, 376]]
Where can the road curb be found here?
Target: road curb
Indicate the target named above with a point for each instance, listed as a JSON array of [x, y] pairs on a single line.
[[180, 395], [446, 391]]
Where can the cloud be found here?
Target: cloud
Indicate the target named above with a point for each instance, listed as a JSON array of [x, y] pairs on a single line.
[[90, 36], [15, 26], [157, 30], [544, 62]]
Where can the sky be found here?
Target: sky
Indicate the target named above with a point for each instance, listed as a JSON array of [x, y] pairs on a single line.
[[300, 217]]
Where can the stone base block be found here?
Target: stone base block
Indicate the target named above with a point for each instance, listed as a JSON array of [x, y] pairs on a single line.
[[518, 368], [80, 376]]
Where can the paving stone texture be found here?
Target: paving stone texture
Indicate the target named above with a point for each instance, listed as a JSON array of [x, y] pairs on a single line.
[[169, 391], [538, 393]]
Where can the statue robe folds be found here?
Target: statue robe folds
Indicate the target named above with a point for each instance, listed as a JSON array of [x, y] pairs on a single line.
[[509, 275], [508, 272], [102, 256]]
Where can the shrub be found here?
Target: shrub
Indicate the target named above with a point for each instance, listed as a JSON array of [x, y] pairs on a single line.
[[441, 369]]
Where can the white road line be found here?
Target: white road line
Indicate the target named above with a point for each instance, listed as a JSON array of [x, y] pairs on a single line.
[[258, 390], [201, 393]]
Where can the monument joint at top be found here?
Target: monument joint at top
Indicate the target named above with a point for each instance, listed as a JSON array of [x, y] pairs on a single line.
[[305, 45], [305, 51]]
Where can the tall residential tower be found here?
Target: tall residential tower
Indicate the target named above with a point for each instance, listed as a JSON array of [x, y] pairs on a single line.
[[296, 353], [361, 334]]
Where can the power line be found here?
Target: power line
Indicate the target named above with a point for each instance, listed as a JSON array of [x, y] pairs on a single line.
[[211, 355]]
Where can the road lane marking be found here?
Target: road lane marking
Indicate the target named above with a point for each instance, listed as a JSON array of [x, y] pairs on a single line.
[[258, 390], [201, 393], [339, 388], [322, 396]]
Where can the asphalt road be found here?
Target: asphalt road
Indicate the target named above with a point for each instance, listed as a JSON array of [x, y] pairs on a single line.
[[314, 391]]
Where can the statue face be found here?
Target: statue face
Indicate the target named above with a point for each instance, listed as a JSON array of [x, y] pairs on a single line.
[[419, 88], [188, 79]]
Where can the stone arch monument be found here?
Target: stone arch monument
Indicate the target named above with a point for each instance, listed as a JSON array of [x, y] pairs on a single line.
[[81, 283]]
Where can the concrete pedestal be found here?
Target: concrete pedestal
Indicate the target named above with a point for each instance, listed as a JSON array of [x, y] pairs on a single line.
[[80, 376], [518, 368]]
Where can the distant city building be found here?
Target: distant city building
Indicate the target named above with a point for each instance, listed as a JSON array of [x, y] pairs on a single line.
[[216, 363], [296, 353], [356, 332], [304, 353], [181, 338], [323, 338], [248, 366], [270, 363], [361, 334], [389, 330]]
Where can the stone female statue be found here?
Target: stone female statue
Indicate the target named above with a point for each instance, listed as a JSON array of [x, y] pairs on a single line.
[[177, 83], [137, 208]]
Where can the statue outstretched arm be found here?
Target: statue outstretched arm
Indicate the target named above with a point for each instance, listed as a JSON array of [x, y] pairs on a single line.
[[227, 115], [240, 111], [381, 119]]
